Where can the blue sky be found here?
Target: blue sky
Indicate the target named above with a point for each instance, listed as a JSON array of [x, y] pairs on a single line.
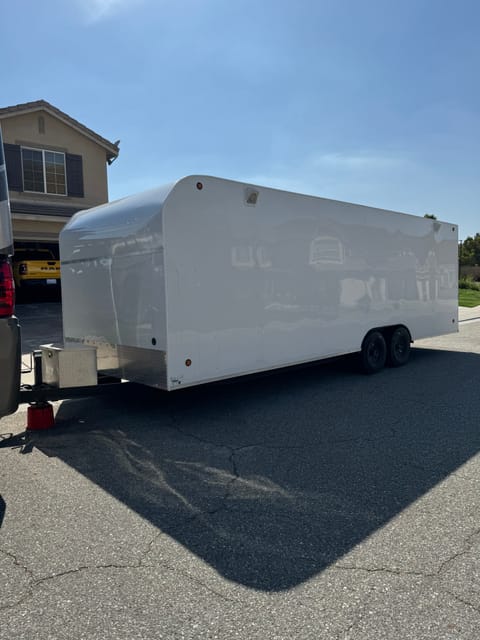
[[376, 102]]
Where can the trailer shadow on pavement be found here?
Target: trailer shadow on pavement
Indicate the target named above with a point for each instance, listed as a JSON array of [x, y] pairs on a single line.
[[271, 480]]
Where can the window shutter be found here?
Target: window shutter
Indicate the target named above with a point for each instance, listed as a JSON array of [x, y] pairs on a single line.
[[13, 160], [74, 167]]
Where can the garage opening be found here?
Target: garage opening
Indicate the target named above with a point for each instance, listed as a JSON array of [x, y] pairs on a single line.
[[36, 269]]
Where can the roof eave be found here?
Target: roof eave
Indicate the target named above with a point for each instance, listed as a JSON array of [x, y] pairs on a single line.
[[112, 150]]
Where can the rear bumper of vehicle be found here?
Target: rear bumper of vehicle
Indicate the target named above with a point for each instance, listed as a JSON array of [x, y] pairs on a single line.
[[10, 365], [37, 282]]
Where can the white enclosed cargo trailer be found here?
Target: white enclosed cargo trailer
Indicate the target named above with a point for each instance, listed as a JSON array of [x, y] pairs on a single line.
[[206, 279]]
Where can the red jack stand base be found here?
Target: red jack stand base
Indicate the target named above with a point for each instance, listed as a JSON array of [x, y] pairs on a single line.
[[40, 416]]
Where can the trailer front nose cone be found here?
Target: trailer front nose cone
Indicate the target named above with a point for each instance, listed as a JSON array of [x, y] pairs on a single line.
[[40, 416]]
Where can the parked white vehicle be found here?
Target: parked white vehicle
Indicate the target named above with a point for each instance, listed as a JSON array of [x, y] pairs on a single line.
[[10, 345], [207, 279]]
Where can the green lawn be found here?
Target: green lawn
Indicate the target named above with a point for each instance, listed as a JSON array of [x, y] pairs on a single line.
[[468, 297]]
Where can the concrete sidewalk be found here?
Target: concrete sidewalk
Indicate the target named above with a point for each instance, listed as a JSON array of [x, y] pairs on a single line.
[[468, 313]]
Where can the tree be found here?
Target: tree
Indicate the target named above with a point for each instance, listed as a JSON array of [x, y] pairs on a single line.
[[430, 215], [469, 254]]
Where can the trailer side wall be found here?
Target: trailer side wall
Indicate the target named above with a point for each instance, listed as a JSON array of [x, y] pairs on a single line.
[[286, 279]]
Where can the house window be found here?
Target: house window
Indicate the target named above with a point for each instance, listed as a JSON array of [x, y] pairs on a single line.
[[44, 171]]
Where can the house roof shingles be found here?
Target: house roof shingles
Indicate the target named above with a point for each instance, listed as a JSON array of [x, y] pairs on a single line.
[[42, 105]]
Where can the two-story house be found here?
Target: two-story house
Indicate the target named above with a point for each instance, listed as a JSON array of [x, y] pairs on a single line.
[[56, 166]]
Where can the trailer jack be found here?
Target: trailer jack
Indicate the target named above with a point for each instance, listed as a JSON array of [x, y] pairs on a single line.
[[39, 396]]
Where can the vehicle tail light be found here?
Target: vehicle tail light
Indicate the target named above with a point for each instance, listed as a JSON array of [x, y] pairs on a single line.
[[7, 290], [22, 269]]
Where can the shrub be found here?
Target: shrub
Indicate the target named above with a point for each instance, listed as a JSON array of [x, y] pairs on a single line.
[[467, 282]]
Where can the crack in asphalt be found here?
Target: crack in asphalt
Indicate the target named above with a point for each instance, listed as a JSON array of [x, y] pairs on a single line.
[[27, 595], [28, 588], [434, 575], [149, 548], [16, 562], [127, 565], [80, 569], [463, 601], [166, 565], [205, 586], [346, 633], [231, 459], [392, 433], [139, 564], [35, 582], [467, 543], [386, 570], [234, 450]]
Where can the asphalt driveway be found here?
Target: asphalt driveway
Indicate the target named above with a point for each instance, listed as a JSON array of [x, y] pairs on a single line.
[[309, 504]]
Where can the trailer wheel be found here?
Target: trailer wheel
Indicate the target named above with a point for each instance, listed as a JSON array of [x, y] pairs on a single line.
[[374, 352], [399, 347]]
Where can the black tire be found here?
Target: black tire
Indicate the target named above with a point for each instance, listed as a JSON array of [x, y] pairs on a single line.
[[399, 347], [374, 352]]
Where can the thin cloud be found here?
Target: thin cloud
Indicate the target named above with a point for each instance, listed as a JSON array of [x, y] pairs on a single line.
[[371, 177], [319, 172], [96, 10], [356, 161]]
